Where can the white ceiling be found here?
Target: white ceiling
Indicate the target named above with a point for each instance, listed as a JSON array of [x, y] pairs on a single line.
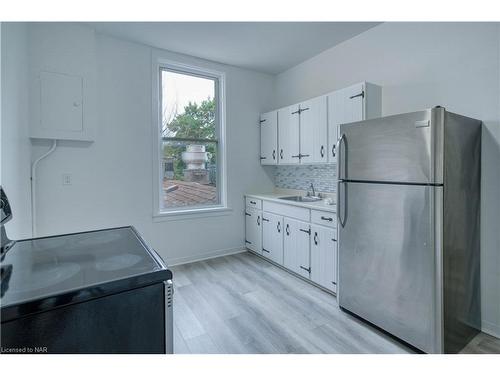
[[269, 47]]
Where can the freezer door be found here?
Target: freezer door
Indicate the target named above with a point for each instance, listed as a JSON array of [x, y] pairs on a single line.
[[389, 259], [404, 148]]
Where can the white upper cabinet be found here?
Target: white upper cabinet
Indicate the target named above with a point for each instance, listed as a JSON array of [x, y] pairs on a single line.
[[358, 102], [313, 131], [308, 132], [269, 138], [288, 135]]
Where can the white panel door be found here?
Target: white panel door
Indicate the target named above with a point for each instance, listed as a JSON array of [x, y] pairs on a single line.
[[345, 105], [313, 131], [253, 230], [296, 246], [324, 257], [269, 138], [272, 237], [288, 135]]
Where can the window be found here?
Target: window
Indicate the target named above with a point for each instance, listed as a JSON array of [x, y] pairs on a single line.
[[191, 140]]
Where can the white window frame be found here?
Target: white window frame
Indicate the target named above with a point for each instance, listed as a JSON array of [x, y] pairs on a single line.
[[220, 78]]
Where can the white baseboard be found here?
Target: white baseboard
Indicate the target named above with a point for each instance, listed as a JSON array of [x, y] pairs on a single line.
[[205, 256], [490, 328]]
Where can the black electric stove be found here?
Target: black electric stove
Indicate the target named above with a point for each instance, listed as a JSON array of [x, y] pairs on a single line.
[[103, 291], [48, 272]]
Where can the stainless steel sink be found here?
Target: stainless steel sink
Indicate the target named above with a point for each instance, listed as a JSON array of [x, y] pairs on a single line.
[[301, 198]]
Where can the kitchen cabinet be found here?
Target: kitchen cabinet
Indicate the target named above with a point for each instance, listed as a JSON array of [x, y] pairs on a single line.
[[358, 102], [269, 138], [288, 135], [272, 237], [324, 257], [253, 230], [296, 246], [313, 131]]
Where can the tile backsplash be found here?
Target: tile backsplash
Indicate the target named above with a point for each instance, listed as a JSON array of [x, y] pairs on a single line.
[[300, 177]]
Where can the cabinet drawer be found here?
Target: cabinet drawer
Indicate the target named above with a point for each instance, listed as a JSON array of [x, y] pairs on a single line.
[[253, 203], [326, 218], [287, 210]]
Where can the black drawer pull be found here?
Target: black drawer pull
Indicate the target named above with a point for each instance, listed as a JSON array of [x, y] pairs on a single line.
[[296, 112], [274, 154], [247, 214], [306, 231], [266, 251], [281, 154], [334, 283], [262, 158], [258, 220], [296, 156], [326, 218], [304, 109], [322, 151], [253, 202], [304, 155], [261, 121], [248, 242], [333, 150], [264, 219], [316, 238], [334, 240]]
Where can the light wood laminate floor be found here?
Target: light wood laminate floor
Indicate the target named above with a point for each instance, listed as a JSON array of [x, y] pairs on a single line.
[[243, 304]]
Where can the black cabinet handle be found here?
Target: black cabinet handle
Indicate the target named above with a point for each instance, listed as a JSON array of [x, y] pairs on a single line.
[[274, 154], [247, 214], [296, 156], [261, 121], [281, 154], [316, 238], [334, 240], [264, 219], [326, 218], [262, 158], [304, 109], [253, 202], [278, 226], [248, 242], [322, 151], [306, 269], [258, 220], [333, 150], [308, 231], [296, 112], [267, 251], [362, 94], [334, 283], [287, 230], [304, 155]]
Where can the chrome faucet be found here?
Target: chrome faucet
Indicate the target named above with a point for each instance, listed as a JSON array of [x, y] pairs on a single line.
[[313, 191]]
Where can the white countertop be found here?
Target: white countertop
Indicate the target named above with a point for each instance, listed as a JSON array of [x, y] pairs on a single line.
[[274, 197]]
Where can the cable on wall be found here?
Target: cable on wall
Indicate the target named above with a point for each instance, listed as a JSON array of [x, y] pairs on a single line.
[[33, 186]]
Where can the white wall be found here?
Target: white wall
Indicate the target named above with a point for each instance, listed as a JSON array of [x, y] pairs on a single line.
[[15, 150], [113, 176], [420, 65]]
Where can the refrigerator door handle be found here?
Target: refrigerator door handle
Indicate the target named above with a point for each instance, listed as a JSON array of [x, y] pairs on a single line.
[[339, 204], [339, 157]]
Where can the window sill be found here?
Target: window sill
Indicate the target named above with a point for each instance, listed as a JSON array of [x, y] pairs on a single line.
[[198, 213]]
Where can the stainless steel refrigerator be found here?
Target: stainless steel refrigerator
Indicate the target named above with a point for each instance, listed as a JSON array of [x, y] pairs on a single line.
[[408, 201]]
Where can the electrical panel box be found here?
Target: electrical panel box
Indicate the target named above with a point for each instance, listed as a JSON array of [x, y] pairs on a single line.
[[61, 108]]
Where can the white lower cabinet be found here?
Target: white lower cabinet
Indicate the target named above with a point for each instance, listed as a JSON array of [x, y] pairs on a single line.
[[296, 246], [253, 230], [272, 237], [324, 257]]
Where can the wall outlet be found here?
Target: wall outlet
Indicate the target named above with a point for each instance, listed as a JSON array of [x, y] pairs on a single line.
[[66, 179]]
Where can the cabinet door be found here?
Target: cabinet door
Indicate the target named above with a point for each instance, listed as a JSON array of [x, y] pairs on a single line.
[[296, 246], [253, 230], [313, 131], [345, 105], [288, 135], [269, 138], [324, 257], [272, 237]]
